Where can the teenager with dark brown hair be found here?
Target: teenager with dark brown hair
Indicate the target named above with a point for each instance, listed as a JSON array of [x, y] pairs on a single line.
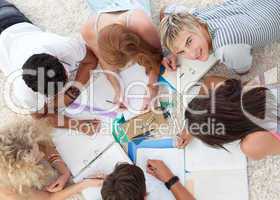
[[234, 112], [127, 182]]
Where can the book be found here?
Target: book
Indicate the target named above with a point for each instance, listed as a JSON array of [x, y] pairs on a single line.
[[188, 74], [105, 163], [156, 189], [216, 173], [144, 124]]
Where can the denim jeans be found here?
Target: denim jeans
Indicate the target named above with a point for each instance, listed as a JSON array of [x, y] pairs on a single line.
[[10, 15]]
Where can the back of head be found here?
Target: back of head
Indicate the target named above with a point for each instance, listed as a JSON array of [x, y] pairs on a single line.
[[222, 117], [18, 164], [127, 182], [118, 46], [172, 24], [44, 73]]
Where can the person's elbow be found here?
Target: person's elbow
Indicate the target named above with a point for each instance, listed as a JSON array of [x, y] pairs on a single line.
[[237, 58]]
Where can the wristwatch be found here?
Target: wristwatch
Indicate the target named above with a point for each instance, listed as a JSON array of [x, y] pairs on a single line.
[[171, 182]]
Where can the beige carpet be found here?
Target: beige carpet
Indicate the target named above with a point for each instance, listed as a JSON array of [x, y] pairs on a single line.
[[66, 17]]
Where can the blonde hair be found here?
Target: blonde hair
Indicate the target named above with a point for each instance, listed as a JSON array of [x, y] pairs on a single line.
[[18, 168], [118, 45], [171, 25]]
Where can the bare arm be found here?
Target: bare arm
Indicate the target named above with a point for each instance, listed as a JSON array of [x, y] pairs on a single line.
[[67, 97], [180, 192], [159, 170], [143, 25], [8, 194], [51, 154], [61, 121]]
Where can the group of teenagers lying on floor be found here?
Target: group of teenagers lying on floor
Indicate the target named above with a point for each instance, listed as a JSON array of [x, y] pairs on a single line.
[[30, 166]]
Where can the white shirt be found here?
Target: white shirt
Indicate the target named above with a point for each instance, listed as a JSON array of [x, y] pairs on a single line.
[[18, 43]]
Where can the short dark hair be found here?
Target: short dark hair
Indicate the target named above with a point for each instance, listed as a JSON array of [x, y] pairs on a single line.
[[127, 182], [48, 64], [228, 104]]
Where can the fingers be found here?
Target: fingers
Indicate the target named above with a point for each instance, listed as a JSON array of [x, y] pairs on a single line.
[[150, 169], [170, 62], [182, 143], [167, 63], [54, 187], [179, 142], [173, 62]]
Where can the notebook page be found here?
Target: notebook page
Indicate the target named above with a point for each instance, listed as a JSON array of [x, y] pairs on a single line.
[[190, 72], [199, 157], [103, 165], [78, 149], [173, 158], [219, 185]]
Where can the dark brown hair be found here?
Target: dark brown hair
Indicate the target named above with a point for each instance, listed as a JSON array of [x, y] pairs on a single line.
[[227, 102], [118, 45], [127, 182]]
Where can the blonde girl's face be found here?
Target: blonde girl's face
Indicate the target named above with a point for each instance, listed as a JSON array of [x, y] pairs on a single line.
[[193, 46]]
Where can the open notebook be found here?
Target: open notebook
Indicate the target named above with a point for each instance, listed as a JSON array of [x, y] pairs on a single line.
[[77, 149], [216, 173], [104, 164], [189, 73], [173, 158], [96, 98]]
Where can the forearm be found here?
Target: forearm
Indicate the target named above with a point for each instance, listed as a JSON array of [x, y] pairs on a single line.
[[59, 121], [55, 160], [152, 83], [180, 192], [61, 195]]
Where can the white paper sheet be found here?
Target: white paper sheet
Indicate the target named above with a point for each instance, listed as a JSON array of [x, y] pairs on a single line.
[[105, 164], [173, 158], [220, 185], [199, 157], [215, 173], [77, 149], [189, 73]]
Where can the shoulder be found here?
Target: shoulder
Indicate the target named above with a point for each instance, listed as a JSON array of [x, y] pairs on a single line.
[[8, 194], [88, 29], [256, 145], [140, 20]]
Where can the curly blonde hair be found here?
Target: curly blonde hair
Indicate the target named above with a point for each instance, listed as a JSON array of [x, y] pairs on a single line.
[[18, 168]]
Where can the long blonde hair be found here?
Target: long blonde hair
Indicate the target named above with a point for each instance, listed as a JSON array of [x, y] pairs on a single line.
[[118, 45], [18, 168]]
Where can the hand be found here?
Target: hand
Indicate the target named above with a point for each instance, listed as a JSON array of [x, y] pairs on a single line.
[[184, 139], [170, 62], [153, 91], [58, 184], [89, 127], [146, 103], [159, 170], [118, 100]]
